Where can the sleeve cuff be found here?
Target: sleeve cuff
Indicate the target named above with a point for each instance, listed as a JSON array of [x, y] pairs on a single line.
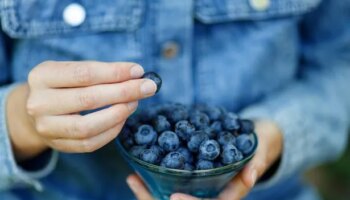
[[12, 174]]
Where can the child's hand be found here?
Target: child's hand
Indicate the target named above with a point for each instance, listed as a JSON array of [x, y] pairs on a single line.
[[58, 91], [269, 149]]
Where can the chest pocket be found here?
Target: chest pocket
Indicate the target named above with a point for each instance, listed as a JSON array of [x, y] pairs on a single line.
[[34, 18], [215, 11]]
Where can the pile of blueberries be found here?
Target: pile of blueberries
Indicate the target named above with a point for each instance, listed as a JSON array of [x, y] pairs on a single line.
[[183, 137]]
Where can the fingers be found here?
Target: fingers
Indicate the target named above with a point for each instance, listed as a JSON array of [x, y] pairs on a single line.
[[82, 127], [65, 101], [240, 186], [86, 145], [138, 188], [52, 74], [180, 196]]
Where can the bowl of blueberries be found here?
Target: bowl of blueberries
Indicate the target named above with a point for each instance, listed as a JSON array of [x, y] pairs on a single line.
[[194, 149]]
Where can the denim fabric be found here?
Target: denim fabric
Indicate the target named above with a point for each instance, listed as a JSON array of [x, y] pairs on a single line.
[[289, 63]]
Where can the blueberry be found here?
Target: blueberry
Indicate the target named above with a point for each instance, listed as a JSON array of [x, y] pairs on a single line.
[[186, 153], [169, 141], [209, 150], [218, 164], [246, 126], [160, 123], [154, 77], [133, 122], [245, 144], [146, 115], [184, 129], [188, 167], [204, 164], [137, 150], [145, 135], [230, 122], [157, 149], [210, 132], [150, 156], [177, 114], [125, 133], [199, 120], [174, 160], [213, 113], [196, 139], [216, 126], [128, 143], [230, 154], [226, 137]]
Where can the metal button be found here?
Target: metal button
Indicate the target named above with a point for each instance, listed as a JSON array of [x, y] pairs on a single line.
[[170, 50], [74, 14], [260, 5]]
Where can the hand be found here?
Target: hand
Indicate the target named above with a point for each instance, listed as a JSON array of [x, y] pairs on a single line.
[[269, 149], [45, 112]]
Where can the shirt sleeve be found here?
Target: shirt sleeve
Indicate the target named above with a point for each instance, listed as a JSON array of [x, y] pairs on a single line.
[[313, 111], [12, 174]]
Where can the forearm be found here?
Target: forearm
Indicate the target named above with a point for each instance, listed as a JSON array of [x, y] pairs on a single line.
[[25, 142]]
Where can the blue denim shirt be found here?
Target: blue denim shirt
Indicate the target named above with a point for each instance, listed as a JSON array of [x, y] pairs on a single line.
[[285, 60]]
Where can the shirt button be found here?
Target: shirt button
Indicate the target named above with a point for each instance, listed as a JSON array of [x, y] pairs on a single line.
[[170, 50], [74, 14], [260, 5]]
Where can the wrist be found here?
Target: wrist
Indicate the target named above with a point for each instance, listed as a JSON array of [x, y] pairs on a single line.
[[25, 142]]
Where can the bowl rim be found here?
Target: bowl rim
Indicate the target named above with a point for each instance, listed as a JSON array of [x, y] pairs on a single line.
[[181, 172]]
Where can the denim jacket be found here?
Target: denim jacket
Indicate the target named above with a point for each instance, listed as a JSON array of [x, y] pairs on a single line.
[[284, 60]]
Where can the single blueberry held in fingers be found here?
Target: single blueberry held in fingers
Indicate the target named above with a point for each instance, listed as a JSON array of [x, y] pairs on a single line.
[[150, 156], [204, 164], [169, 141], [246, 126], [184, 129], [160, 123], [199, 120], [230, 121], [145, 135], [173, 160], [209, 150], [226, 137], [230, 154], [245, 144], [186, 153], [154, 77], [195, 141]]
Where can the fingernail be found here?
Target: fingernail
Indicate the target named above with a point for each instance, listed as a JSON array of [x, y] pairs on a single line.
[[132, 105], [131, 184], [253, 177], [136, 71], [148, 87]]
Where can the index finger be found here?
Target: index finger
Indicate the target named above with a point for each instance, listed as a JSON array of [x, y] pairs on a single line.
[[83, 73]]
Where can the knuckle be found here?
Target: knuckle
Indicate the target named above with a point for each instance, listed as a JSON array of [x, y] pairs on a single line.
[[86, 100], [82, 75], [125, 92], [40, 126], [32, 107]]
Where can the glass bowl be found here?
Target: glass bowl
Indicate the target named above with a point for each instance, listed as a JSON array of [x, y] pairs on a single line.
[[162, 182]]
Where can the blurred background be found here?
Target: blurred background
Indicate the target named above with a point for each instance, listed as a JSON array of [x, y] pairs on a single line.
[[333, 180]]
